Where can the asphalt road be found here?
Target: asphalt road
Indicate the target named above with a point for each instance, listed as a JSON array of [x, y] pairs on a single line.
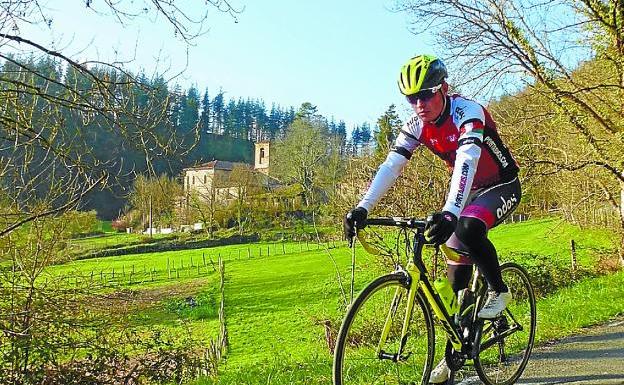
[[593, 357]]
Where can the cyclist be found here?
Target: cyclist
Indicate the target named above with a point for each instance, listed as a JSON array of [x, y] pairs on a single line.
[[484, 187]]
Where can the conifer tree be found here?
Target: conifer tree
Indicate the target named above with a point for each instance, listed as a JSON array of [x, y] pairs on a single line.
[[217, 113], [388, 126], [205, 113]]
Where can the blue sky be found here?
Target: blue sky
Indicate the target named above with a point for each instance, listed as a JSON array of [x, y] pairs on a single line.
[[342, 56]]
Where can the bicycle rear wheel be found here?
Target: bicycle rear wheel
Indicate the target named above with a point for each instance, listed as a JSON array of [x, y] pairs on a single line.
[[357, 358], [505, 343]]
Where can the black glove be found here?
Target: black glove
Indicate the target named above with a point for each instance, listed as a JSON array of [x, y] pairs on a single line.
[[354, 218], [440, 227]]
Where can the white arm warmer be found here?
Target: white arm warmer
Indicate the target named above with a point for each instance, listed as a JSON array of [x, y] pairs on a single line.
[[466, 161], [387, 174]]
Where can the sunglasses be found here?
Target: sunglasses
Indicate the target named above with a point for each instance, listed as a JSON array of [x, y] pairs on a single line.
[[423, 95]]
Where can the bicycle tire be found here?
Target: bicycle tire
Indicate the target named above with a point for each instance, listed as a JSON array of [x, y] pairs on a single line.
[[355, 356], [501, 361]]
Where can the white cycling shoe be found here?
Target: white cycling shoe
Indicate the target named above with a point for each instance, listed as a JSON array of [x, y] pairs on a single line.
[[495, 304], [440, 373]]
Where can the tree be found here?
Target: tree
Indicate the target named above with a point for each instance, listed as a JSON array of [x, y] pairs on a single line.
[[189, 111], [523, 43], [218, 113], [206, 203], [303, 158], [154, 200], [307, 111], [50, 164], [341, 133], [365, 135], [388, 126], [244, 183], [205, 113]]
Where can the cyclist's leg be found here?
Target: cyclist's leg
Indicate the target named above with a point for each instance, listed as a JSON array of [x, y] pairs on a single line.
[[488, 208], [473, 233], [459, 275], [459, 272]]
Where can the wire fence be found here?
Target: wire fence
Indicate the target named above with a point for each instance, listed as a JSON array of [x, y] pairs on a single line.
[[204, 263]]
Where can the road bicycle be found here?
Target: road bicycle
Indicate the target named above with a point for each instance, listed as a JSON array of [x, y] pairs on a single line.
[[388, 333]]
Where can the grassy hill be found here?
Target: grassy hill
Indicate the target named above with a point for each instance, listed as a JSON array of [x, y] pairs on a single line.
[[278, 296]]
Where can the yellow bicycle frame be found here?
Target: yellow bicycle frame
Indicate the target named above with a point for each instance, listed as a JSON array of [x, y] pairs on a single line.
[[414, 284]]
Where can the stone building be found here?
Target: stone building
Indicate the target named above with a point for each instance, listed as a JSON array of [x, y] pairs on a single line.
[[212, 177]]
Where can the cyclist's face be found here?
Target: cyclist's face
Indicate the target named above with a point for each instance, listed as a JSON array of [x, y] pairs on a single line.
[[428, 106]]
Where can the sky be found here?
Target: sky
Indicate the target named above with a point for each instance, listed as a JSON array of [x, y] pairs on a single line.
[[342, 56]]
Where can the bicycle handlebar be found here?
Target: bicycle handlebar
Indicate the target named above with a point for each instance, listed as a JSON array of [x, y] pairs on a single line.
[[408, 223]]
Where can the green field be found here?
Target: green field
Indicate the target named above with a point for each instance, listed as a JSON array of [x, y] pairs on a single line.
[[278, 295]]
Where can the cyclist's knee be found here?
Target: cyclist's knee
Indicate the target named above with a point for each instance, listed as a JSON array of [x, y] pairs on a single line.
[[470, 230]]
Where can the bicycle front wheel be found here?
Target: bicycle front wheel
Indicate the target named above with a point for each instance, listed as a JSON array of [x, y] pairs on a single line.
[[506, 342], [361, 357]]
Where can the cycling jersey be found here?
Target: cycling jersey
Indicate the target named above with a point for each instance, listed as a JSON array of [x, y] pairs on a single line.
[[465, 137]]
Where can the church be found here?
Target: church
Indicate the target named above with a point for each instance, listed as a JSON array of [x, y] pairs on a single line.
[[212, 179]]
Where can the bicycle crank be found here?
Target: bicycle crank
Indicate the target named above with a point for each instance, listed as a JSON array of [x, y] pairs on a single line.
[[454, 359], [394, 357]]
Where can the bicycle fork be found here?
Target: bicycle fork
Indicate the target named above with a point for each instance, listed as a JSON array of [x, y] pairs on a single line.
[[412, 283]]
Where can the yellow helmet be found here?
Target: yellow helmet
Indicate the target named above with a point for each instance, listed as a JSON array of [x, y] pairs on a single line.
[[421, 72]]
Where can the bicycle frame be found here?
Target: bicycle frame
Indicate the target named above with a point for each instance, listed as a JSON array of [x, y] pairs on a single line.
[[417, 278]]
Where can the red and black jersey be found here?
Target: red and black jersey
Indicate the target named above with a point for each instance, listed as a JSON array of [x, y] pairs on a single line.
[[463, 121], [465, 137]]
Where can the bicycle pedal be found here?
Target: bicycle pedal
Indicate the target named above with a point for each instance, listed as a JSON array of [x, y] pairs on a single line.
[[500, 324], [387, 356]]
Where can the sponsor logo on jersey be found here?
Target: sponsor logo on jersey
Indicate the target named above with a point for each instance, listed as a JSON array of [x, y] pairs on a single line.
[[501, 158], [462, 185], [506, 205], [413, 123], [459, 112]]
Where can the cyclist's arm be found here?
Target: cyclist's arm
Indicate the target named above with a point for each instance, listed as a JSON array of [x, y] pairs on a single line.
[[387, 174], [466, 157], [391, 168]]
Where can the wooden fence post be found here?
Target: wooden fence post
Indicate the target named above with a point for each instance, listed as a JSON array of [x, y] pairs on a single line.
[[573, 257]]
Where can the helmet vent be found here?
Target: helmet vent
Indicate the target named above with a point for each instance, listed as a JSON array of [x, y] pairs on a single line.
[[409, 70], [417, 74]]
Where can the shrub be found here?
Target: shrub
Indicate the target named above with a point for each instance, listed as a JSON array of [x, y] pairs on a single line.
[[120, 225], [547, 274]]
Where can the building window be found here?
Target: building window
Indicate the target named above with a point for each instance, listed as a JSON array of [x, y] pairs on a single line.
[[193, 180], [205, 179], [261, 156]]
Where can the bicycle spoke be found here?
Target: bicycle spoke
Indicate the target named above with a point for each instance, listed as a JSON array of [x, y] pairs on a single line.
[[383, 304], [506, 342]]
